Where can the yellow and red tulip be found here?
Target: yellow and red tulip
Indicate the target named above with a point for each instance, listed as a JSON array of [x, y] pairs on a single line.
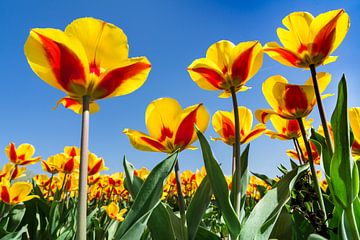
[[21, 155], [286, 129], [290, 101], [170, 127], [114, 212], [308, 40], [227, 66], [354, 118], [89, 58], [224, 124], [316, 156], [95, 164], [12, 172], [17, 193]]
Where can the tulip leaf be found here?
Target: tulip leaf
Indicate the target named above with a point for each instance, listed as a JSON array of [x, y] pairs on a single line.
[[198, 205], [263, 217], [315, 236], [15, 216], [203, 234], [147, 199], [15, 235], [321, 147], [343, 172], [159, 223], [265, 178], [219, 186]]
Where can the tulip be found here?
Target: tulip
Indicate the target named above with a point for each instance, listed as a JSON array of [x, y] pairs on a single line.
[[170, 127], [290, 101], [114, 212], [21, 155], [227, 66], [95, 164], [354, 118], [305, 156], [17, 193], [223, 124]]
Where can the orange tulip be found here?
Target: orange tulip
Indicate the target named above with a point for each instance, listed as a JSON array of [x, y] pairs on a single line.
[[21, 155], [308, 40], [290, 101], [227, 66], [286, 129], [170, 127], [89, 58], [17, 193], [223, 124]]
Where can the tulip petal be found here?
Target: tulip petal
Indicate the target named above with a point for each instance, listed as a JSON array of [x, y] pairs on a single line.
[[263, 115], [246, 60], [206, 74], [76, 105], [10, 151], [258, 130], [185, 133], [223, 124], [19, 190], [105, 44], [143, 142], [246, 121], [58, 59], [329, 29], [354, 118], [122, 79], [283, 55], [220, 53], [160, 118]]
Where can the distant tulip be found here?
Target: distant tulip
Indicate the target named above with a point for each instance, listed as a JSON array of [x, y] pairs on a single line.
[[21, 155], [354, 117]]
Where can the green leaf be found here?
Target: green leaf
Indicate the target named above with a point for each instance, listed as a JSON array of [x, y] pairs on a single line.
[[265, 178], [147, 198], [204, 234], [159, 223], [263, 217], [176, 224], [343, 172], [219, 186], [15, 235], [198, 205], [315, 236], [244, 181], [321, 147], [15, 216]]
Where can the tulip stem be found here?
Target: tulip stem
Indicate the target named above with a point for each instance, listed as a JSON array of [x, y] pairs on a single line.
[[236, 157], [82, 204], [313, 171], [181, 201], [321, 109], [297, 151], [49, 190]]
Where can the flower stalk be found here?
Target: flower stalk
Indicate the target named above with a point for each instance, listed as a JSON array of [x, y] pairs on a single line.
[[300, 155], [236, 156], [82, 204], [321, 109], [313, 171], [181, 201]]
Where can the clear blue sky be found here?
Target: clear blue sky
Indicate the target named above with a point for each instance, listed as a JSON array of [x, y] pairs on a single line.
[[171, 34]]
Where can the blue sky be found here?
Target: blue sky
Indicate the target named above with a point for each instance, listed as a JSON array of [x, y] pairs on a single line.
[[171, 34]]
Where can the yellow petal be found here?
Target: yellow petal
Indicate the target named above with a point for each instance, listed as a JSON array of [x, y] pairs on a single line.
[[223, 124], [258, 130], [263, 115], [58, 59], [206, 74], [246, 60], [246, 120], [185, 131], [160, 118], [220, 53], [122, 79], [76, 105], [354, 118], [283, 55], [273, 89], [335, 19], [105, 44], [143, 142], [26, 150], [19, 190]]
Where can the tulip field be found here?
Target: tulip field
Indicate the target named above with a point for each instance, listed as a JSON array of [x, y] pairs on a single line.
[[316, 198]]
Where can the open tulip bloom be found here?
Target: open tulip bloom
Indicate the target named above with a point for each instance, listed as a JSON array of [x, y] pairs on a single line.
[[170, 127], [223, 124], [89, 58], [290, 101], [227, 66], [308, 40], [87, 61]]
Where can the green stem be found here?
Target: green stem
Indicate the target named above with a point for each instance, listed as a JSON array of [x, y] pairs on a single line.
[[181, 201], [349, 214], [321, 109], [313, 171], [82, 204], [236, 157], [297, 151], [51, 178]]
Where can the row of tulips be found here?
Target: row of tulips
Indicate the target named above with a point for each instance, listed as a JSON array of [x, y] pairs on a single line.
[[89, 61]]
